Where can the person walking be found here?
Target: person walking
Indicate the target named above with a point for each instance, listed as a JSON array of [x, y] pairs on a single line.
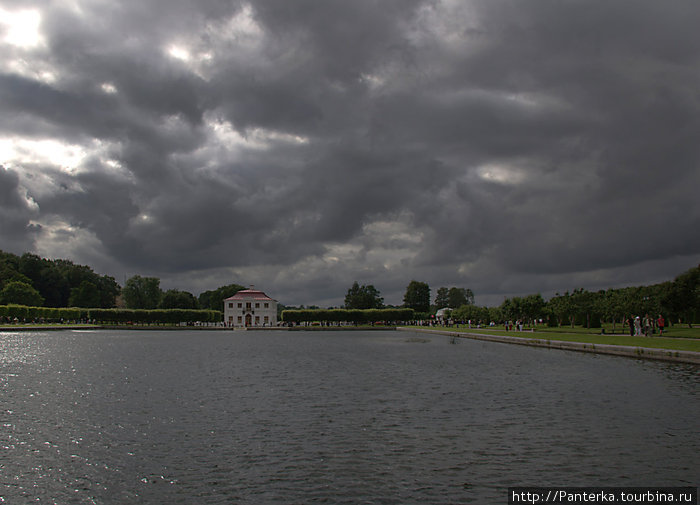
[[647, 325], [660, 323], [637, 327], [630, 323]]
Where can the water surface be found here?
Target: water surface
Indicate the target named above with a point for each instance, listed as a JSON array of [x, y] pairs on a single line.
[[330, 417]]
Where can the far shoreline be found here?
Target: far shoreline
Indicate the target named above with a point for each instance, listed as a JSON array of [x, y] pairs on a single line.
[[669, 354], [662, 354]]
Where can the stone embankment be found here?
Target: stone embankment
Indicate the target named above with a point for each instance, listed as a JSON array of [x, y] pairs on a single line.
[[617, 350]]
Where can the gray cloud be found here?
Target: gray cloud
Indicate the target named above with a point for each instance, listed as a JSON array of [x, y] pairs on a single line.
[[16, 213], [507, 147]]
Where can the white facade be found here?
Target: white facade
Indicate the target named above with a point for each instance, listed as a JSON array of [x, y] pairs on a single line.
[[441, 315], [250, 307]]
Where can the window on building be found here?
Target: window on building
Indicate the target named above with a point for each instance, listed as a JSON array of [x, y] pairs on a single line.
[[240, 305], [247, 305], [257, 319], [240, 319], [230, 305], [267, 305], [257, 305], [267, 319]]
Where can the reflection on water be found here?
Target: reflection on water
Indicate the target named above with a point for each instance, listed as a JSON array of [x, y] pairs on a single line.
[[19, 348], [366, 417]]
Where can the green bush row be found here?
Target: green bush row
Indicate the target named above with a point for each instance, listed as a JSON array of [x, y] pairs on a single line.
[[112, 316], [347, 315], [23, 312], [155, 316]]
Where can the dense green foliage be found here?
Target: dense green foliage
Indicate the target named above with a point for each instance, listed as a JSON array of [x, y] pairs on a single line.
[[356, 316], [441, 298], [21, 293], [85, 295], [32, 282], [49, 314], [363, 297], [214, 299], [417, 296], [483, 315], [142, 292], [176, 299], [156, 316], [24, 313], [29, 280], [676, 301], [145, 293], [456, 297], [682, 296], [60, 283], [453, 297]]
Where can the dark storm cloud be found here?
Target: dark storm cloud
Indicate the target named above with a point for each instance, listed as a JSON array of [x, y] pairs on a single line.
[[16, 213], [504, 146]]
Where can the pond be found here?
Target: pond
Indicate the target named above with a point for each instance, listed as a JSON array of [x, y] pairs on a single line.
[[220, 417]]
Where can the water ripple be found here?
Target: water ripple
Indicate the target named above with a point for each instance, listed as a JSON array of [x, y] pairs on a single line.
[[220, 418]]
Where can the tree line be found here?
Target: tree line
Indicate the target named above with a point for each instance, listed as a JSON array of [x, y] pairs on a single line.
[[677, 301], [29, 280], [416, 297], [355, 316], [145, 293], [34, 281]]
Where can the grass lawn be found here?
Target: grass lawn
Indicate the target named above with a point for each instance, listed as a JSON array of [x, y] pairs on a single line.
[[690, 341], [676, 331]]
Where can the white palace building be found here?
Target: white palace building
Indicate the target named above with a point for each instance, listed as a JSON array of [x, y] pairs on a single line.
[[250, 307]]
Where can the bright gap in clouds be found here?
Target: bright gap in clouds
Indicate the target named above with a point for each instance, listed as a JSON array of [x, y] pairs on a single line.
[[179, 53], [15, 152], [501, 174], [108, 88], [21, 27]]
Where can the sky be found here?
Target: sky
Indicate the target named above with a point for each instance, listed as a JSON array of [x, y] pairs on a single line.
[[509, 147]]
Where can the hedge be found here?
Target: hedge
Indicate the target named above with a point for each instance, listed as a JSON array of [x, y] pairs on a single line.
[[355, 316], [111, 316], [156, 316], [23, 312]]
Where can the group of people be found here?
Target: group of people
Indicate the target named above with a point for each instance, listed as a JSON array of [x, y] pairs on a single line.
[[518, 325], [646, 325]]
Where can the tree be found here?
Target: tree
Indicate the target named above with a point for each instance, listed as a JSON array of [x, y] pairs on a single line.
[[7, 274], [108, 290], [583, 301], [533, 306], [512, 307], [56, 279], [175, 299], [417, 296], [363, 297], [456, 297], [31, 266], [442, 299], [86, 295], [472, 313], [214, 299], [21, 293], [142, 292], [683, 297]]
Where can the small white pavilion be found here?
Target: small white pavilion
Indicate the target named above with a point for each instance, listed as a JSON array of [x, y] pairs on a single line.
[[250, 307]]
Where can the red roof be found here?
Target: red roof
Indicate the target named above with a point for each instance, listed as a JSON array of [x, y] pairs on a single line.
[[250, 294]]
